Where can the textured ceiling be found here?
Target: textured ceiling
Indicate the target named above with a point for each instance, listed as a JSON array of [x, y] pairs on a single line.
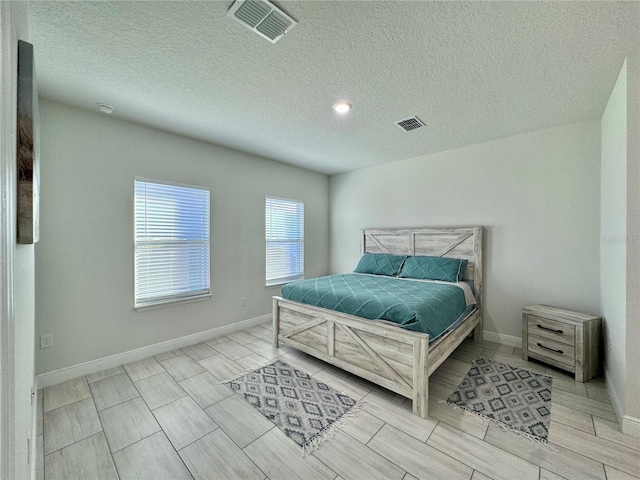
[[472, 71]]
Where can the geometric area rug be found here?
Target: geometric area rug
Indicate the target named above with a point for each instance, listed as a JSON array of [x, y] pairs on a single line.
[[305, 409], [516, 399]]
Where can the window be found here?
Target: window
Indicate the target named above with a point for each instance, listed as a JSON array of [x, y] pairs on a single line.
[[284, 240], [171, 242]]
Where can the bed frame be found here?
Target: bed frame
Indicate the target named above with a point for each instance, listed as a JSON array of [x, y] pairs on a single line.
[[397, 359]]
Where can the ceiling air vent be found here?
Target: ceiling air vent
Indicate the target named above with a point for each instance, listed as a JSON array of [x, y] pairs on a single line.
[[409, 124], [263, 18]]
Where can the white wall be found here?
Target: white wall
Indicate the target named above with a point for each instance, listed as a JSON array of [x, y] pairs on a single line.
[[18, 376], [24, 328], [537, 194], [631, 419], [620, 251], [613, 230], [84, 261]]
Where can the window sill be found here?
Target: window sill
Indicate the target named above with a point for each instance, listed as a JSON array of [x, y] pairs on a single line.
[[170, 303], [282, 282]]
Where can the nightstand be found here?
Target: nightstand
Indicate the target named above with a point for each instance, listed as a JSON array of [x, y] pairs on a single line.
[[562, 338]]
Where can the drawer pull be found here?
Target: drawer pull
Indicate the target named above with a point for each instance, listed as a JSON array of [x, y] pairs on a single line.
[[549, 329], [560, 352]]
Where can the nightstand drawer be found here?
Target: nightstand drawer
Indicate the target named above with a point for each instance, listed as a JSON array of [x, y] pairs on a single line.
[[552, 330], [560, 352]]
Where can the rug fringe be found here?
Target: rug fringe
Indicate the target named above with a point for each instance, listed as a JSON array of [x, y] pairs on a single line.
[[506, 364], [330, 431], [248, 371], [537, 440]]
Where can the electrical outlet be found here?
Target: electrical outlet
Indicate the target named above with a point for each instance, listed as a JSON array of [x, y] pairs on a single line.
[[243, 301], [46, 340]]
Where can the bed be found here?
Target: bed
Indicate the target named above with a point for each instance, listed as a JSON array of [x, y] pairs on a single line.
[[395, 358]]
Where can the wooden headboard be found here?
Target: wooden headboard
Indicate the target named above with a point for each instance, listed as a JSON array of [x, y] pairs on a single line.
[[456, 242]]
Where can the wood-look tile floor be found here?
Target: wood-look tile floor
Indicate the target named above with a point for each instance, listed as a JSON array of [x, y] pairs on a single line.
[[168, 417]]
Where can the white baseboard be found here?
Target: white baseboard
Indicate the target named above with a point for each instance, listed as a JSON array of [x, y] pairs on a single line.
[[631, 426], [502, 339], [62, 375], [616, 403]]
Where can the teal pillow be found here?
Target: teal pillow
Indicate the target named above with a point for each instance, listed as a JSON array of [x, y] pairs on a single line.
[[433, 268], [380, 264]]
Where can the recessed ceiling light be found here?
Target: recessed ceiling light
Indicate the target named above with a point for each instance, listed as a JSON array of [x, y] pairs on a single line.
[[342, 107], [104, 108]]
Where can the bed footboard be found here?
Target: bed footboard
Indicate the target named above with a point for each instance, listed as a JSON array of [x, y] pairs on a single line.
[[388, 356], [396, 359]]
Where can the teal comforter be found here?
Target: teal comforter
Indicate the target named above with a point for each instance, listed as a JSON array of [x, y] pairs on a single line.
[[415, 305]]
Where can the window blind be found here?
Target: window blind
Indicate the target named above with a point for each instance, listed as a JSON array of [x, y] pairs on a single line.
[[284, 240], [171, 242]]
